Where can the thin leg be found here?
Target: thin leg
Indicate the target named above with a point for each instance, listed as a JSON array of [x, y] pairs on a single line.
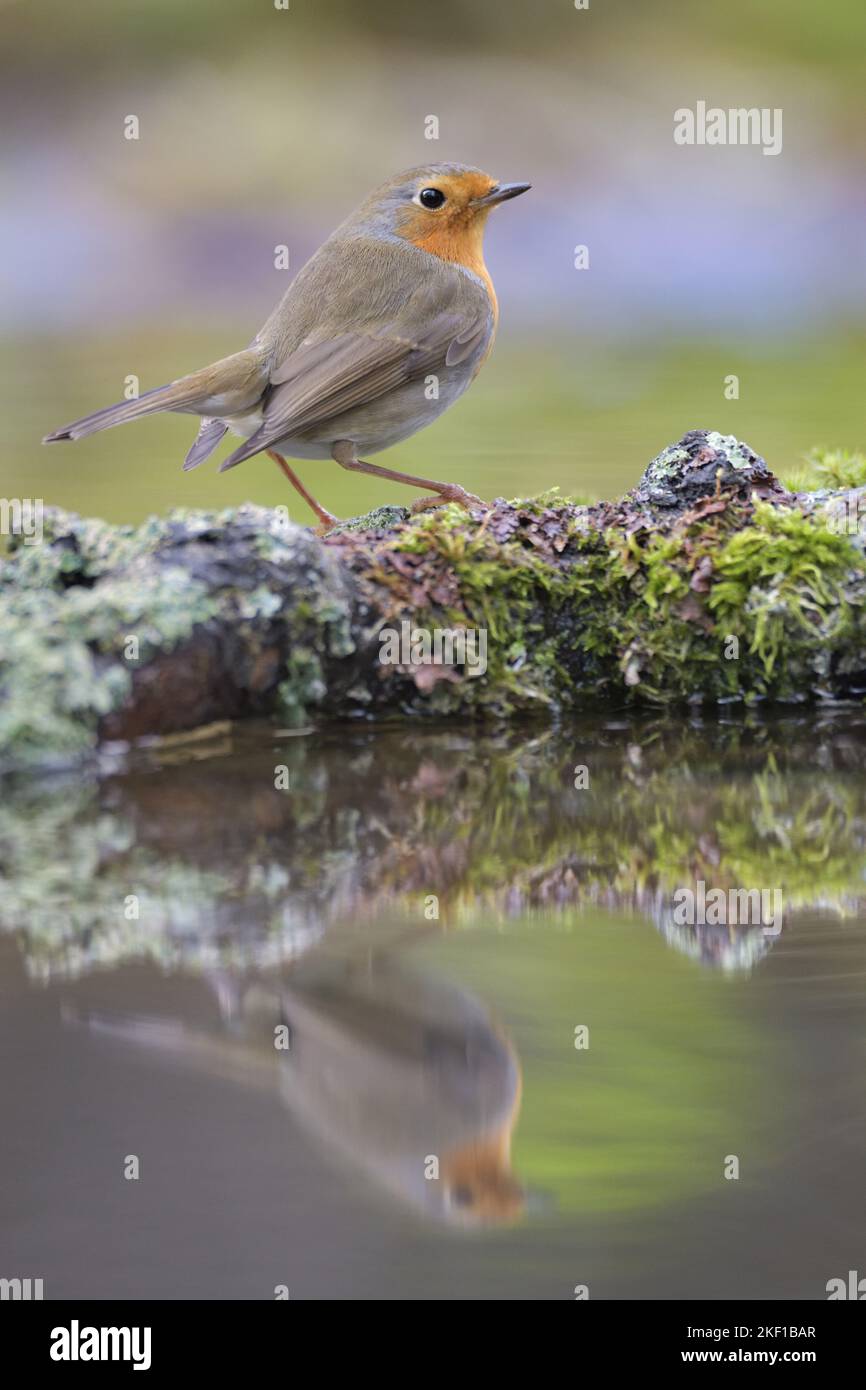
[[326, 521], [344, 453]]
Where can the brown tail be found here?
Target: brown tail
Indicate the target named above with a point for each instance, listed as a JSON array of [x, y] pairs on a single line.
[[148, 404], [238, 380]]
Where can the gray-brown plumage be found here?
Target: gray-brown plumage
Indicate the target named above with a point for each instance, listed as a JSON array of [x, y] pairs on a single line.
[[380, 332], [389, 1068]]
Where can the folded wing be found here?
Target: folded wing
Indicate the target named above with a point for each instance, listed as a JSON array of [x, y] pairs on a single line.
[[323, 380]]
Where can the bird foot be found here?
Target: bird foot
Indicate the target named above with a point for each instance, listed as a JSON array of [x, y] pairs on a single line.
[[453, 492]]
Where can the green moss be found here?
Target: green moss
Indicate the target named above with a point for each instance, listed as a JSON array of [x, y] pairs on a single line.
[[574, 614], [788, 589], [708, 597], [829, 468], [506, 589], [792, 590]]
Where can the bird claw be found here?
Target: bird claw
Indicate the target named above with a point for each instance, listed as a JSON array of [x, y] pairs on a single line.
[[452, 493]]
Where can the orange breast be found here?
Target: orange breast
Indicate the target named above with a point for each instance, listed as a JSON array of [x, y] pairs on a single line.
[[459, 241]]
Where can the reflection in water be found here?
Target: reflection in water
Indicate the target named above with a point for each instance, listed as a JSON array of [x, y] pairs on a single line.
[[400, 1075], [206, 862], [412, 888]]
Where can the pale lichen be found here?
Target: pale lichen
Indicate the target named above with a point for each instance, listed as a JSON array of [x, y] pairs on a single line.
[[709, 582]]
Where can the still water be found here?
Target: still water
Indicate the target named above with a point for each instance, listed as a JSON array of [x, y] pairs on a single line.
[[405, 1013]]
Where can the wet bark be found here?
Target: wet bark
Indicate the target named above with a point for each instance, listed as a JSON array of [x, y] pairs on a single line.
[[709, 582]]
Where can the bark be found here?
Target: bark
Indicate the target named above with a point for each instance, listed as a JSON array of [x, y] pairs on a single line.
[[709, 582]]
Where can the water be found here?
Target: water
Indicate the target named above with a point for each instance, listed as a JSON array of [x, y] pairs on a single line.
[[307, 916]]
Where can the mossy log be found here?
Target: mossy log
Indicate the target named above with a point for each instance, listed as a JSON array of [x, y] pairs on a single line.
[[709, 582]]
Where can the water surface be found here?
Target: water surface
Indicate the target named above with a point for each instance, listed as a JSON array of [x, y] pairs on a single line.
[[425, 917]]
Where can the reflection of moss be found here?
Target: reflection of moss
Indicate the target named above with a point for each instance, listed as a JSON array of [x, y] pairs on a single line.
[[770, 830], [69, 868], [810, 845], [667, 1086], [370, 825]]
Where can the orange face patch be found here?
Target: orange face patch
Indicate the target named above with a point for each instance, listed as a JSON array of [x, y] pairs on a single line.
[[455, 231], [481, 1179]]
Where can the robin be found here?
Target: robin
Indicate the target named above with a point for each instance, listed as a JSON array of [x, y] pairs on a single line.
[[382, 330], [389, 1068]]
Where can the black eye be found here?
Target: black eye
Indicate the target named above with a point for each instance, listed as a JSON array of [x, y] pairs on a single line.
[[431, 198], [461, 1195]]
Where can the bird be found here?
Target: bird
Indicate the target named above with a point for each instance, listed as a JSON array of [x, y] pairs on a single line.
[[401, 1077], [381, 331]]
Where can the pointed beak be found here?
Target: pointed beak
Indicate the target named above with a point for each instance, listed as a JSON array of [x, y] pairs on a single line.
[[501, 193]]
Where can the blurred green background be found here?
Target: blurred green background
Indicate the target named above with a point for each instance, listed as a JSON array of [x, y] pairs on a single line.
[[261, 127]]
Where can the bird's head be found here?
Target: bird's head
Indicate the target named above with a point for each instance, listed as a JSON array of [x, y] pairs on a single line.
[[441, 208], [477, 1186]]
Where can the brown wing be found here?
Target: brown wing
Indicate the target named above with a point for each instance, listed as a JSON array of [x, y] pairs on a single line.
[[322, 380]]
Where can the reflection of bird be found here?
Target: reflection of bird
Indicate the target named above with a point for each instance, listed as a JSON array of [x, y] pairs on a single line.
[[379, 333], [400, 1076], [397, 1069]]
